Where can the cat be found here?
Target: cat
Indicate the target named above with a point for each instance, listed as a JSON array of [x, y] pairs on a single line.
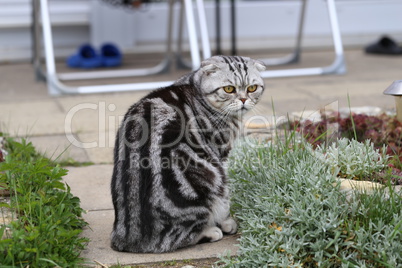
[[169, 184]]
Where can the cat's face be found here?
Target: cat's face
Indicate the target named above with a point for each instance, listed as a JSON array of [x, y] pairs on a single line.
[[232, 85]]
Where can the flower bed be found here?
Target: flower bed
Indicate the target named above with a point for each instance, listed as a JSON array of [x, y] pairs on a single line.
[[382, 130], [292, 215]]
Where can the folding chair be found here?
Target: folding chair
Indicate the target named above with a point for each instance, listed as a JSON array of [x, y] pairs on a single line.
[[56, 87]]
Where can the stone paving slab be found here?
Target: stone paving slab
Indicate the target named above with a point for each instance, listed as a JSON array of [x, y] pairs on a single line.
[[18, 83], [32, 118], [99, 250], [92, 185], [102, 153], [343, 89], [58, 146], [30, 108], [115, 104], [32, 125]]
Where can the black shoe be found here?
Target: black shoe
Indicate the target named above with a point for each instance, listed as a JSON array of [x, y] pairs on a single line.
[[385, 46]]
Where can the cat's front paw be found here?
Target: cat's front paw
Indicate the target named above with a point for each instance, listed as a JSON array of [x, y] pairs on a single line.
[[229, 226], [214, 234]]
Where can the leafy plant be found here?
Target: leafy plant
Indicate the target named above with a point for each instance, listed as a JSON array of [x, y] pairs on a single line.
[[292, 213], [355, 160], [45, 232], [380, 130]]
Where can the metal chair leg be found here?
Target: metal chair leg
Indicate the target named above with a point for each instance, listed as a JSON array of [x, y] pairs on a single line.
[[294, 57], [36, 51], [338, 66], [206, 49], [56, 87], [181, 63]]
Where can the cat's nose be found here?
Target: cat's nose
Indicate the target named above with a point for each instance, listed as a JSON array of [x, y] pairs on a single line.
[[243, 100]]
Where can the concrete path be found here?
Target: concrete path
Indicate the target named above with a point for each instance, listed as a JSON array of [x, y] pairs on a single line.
[[91, 185], [83, 128]]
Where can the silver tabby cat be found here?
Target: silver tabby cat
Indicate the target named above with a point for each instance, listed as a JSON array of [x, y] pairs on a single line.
[[169, 184]]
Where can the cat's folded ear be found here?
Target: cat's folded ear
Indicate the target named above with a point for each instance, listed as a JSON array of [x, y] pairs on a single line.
[[208, 67], [259, 65]]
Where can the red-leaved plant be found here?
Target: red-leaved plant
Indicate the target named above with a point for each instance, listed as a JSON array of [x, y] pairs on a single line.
[[380, 130]]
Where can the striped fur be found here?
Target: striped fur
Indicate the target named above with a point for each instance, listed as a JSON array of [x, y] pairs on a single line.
[[169, 184]]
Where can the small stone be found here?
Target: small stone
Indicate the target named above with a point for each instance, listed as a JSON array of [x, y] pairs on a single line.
[[367, 110]]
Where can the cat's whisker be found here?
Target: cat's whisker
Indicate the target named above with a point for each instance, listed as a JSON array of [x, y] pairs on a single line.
[[256, 110]]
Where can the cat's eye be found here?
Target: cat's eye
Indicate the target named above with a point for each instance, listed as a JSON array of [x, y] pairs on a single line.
[[229, 89], [252, 88]]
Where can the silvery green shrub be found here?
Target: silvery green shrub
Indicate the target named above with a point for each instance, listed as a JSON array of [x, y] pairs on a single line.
[[291, 212], [353, 159]]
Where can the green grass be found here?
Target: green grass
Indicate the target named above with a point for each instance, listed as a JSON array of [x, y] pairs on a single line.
[[70, 162], [45, 230], [292, 213]]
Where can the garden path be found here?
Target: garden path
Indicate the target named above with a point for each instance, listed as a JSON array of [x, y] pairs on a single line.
[[83, 127]]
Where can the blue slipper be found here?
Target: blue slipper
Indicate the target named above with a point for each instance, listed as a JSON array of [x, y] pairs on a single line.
[[111, 55], [86, 58]]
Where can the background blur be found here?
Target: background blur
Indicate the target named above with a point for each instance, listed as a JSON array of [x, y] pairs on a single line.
[[268, 24]]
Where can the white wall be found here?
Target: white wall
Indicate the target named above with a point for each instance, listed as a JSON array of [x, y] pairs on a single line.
[[261, 24], [71, 20]]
